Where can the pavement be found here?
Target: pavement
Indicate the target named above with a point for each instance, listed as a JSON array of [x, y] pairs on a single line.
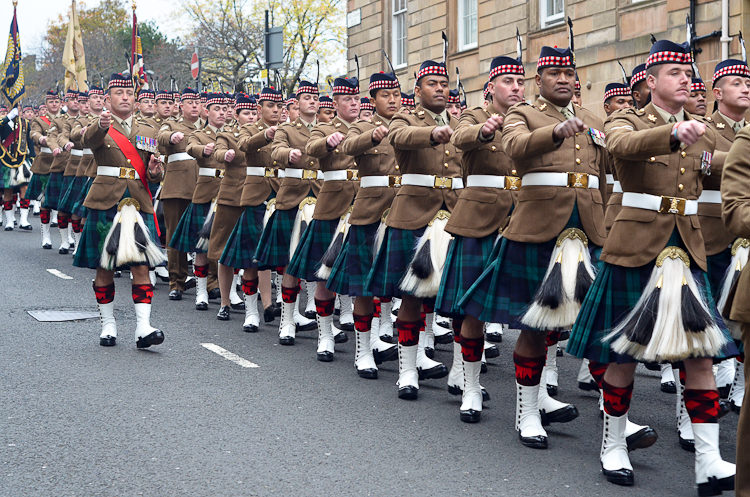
[[77, 419]]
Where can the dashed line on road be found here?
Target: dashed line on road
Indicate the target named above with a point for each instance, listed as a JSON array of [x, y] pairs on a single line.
[[230, 356], [59, 274]]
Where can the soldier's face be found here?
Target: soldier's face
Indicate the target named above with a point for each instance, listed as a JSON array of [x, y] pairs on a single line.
[[121, 101], [96, 102], [557, 84], [53, 105], [164, 108], [617, 103], [733, 92], [454, 110], [387, 102], [696, 103], [347, 106], [191, 108], [432, 92], [641, 92], [326, 115], [308, 105], [147, 106], [73, 105], [28, 114], [270, 111], [83, 106], [216, 115], [293, 111], [365, 114], [245, 116], [671, 83], [506, 90]]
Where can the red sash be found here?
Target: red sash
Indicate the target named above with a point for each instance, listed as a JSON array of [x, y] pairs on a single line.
[[44, 118], [134, 158]]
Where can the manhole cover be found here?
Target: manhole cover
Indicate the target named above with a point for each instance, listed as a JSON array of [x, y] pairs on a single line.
[[57, 315]]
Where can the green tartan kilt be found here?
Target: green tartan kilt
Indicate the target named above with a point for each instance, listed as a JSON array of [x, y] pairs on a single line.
[[242, 242], [78, 208], [273, 246], [68, 192], [37, 185], [98, 224], [717, 268], [185, 236], [467, 258], [392, 262], [5, 176], [349, 272], [52, 192], [313, 243]]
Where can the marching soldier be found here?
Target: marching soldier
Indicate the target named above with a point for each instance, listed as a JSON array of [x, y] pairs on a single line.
[[43, 160], [326, 110], [366, 109], [696, 104], [164, 103], [87, 165], [292, 108], [146, 105], [18, 154], [638, 87]]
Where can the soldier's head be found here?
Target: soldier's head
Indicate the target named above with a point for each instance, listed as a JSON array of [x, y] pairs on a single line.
[[291, 109], [121, 95], [270, 105], [556, 75], [71, 101], [96, 99], [731, 87], [638, 87], [696, 102], [453, 103], [326, 110], [432, 86], [246, 109], [43, 109], [83, 102], [217, 110], [577, 97], [669, 72], [308, 99], [506, 83], [28, 112], [617, 96], [407, 102], [190, 103], [146, 102], [366, 109], [346, 98], [164, 103], [385, 94]]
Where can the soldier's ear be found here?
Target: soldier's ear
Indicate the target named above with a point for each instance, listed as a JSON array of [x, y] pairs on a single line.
[[538, 80]]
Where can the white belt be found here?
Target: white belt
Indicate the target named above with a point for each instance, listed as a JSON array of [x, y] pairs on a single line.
[[341, 175], [46, 150], [211, 172], [266, 172], [573, 180], [379, 181], [179, 156], [616, 187], [87, 151], [293, 172], [710, 197], [117, 172], [493, 181], [665, 205], [610, 179], [76, 152], [430, 181]]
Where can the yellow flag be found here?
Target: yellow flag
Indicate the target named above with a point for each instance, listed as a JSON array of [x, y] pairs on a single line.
[[74, 59]]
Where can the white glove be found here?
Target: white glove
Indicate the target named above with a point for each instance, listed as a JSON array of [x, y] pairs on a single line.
[[13, 113]]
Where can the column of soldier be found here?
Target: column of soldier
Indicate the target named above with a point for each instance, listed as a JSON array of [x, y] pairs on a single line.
[[536, 215]]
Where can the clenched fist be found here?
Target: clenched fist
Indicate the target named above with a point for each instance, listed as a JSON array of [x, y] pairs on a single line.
[[688, 132], [229, 155], [176, 137], [105, 119], [379, 133], [209, 149], [294, 156], [441, 134], [270, 133], [568, 128], [333, 140], [492, 124]]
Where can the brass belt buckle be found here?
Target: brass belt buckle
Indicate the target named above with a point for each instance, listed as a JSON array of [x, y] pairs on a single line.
[[441, 182], [673, 205], [269, 172], [127, 173], [352, 175], [219, 173], [309, 174], [394, 181], [512, 182], [578, 180]]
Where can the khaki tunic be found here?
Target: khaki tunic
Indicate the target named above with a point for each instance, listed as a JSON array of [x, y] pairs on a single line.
[[180, 176], [257, 150], [43, 160], [206, 188], [293, 190]]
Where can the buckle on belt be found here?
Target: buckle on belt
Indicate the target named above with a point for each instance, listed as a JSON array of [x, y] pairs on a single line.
[[578, 180], [673, 205], [512, 182], [269, 173], [394, 181], [127, 173], [219, 173], [442, 182], [352, 175], [309, 174]]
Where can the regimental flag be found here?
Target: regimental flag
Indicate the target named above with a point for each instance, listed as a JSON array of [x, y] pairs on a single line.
[[74, 59], [139, 72], [12, 86]]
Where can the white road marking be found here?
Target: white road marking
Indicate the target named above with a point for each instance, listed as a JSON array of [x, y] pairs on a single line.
[[59, 274], [230, 356]]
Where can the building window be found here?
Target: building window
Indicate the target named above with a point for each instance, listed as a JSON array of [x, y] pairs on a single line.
[[399, 26], [551, 12], [467, 24]]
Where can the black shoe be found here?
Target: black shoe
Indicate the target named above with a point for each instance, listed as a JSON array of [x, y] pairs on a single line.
[[390, 354], [309, 314], [214, 294], [325, 356], [189, 283], [470, 416], [408, 393], [249, 328], [238, 307], [492, 352], [562, 415], [642, 439], [26, 227], [724, 408], [47, 246], [735, 407], [175, 295], [435, 372], [107, 341], [687, 444], [72, 246], [622, 477], [537, 442], [52, 225], [9, 228], [724, 391], [494, 337], [116, 275], [307, 327], [552, 390], [368, 374], [223, 314], [483, 368], [340, 337], [346, 326], [444, 339], [429, 352], [154, 338], [276, 309], [454, 390], [388, 339], [714, 486], [668, 387], [268, 315], [559, 352], [589, 386], [201, 306], [63, 251], [286, 340], [652, 366], [163, 279]]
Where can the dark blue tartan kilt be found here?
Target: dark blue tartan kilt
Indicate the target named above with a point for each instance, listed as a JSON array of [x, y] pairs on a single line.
[[185, 235], [717, 268], [5, 176], [467, 258], [273, 247], [52, 192], [37, 185], [392, 262], [612, 296], [68, 194], [243, 240], [313, 243], [78, 208], [98, 224], [353, 264]]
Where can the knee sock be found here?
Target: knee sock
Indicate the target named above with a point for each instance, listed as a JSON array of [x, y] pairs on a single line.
[[472, 349], [142, 294], [616, 399], [528, 369], [408, 332], [324, 308], [104, 294], [250, 287], [702, 405]]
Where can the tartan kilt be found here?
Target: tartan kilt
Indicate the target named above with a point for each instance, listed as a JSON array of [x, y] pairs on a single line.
[[313, 243], [185, 236], [37, 185], [78, 208], [52, 192], [243, 240], [68, 192], [467, 258], [717, 269], [392, 262], [349, 272], [5, 177], [98, 224], [273, 246]]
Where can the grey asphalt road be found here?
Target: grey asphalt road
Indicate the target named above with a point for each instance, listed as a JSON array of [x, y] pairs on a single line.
[[77, 419]]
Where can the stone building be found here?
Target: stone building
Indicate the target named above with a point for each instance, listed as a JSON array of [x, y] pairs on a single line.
[[478, 30]]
